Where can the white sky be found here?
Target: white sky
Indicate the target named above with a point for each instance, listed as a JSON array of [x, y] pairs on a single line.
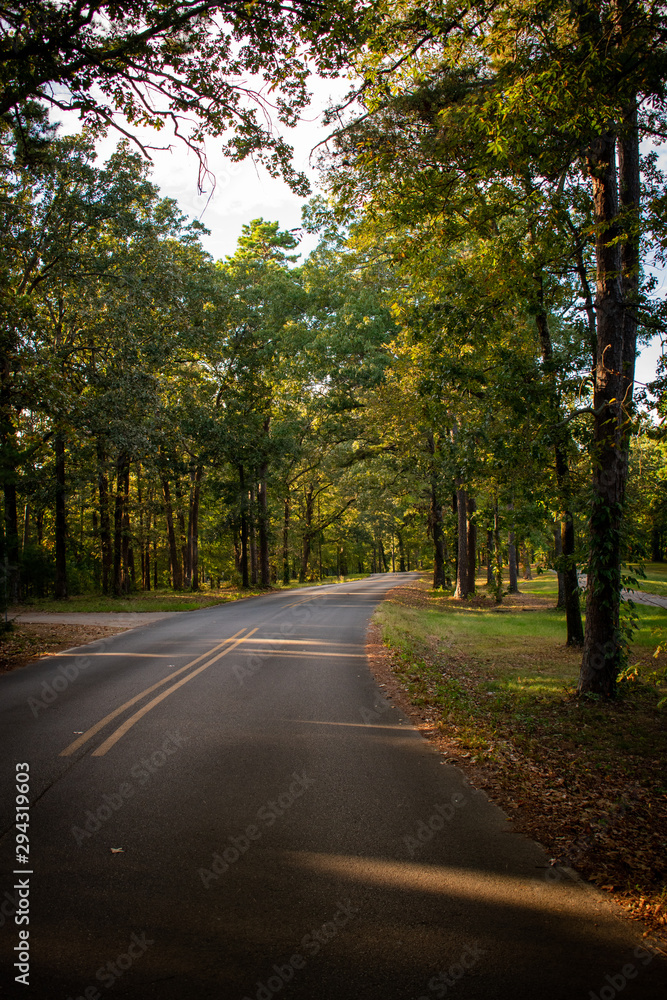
[[242, 192]]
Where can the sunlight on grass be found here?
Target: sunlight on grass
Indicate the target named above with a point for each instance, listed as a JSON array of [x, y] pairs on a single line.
[[165, 600], [656, 578], [511, 651], [156, 601]]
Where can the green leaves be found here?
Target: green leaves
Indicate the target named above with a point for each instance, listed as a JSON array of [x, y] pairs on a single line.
[[203, 68]]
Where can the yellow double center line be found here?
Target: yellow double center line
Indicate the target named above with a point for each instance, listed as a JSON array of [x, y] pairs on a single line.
[[118, 733]]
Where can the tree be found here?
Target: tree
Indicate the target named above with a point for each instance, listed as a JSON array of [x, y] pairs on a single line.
[[54, 214], [559, 95], [251, 363], [184, 64]]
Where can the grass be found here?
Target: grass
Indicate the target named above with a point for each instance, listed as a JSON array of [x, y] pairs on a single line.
[[161, 600], [656, 578], [499, 684], [517, 654]]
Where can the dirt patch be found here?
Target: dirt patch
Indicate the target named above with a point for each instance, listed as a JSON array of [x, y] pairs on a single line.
[[27, 642], [612, 831]]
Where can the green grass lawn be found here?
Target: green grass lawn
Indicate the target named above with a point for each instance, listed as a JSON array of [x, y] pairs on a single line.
[[656, 578], [503, 638], [162, 600]]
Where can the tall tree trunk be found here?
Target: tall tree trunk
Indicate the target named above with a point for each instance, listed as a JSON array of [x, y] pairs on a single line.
[[128, 554], [26, 527], [97, 579], [438, 538], [120, 531], [616, 279], [174, 561], [305, 558], [568, 584], [142, 534], [525, 559], [558, 552], [435, 520], [155, 567], [236, 536], [60, 520], [511, 553], [471, 532], [630, 193], [320, 535], [117, 534], [181, 501], [309, 512], [147, 557], [511, 559], [147, 540], [245, 582], [12, 545], [498, 574], [8, 462], [401, 553], [264, 568], [461, 589], [489, 557], [253, 542], [286, 515], [193, 526], [105, 522], [575, 628]]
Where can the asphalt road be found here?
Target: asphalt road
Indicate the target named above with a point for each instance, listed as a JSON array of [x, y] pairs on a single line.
[[222, 807]]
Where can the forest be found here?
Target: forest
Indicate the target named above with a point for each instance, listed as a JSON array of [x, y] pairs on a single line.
[[445, 383]]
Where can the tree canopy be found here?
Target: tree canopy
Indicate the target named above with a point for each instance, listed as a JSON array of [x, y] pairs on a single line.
[[446, 381], [217, 69]]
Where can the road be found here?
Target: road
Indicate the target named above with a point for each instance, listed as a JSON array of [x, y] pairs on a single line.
[[223, 807]]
